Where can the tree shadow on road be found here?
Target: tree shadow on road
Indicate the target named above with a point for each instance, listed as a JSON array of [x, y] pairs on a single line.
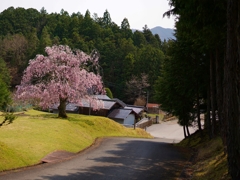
[[162, 161]]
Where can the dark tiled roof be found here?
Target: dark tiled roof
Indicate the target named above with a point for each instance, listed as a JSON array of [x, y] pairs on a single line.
[[120, 113], [136, 110], [71, 107], [108, 104], [119, 102]]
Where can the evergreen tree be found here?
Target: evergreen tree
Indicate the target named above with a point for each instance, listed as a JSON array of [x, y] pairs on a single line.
[[107, 21], [4, 94], [5, 81], [45, 40], [125, 27], [139, 39], [231, 89]]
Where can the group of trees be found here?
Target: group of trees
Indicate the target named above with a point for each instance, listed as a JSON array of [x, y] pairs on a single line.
[[202, 70], [24, 33]]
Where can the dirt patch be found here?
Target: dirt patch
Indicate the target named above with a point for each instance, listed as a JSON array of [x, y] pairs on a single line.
[[57, 156]]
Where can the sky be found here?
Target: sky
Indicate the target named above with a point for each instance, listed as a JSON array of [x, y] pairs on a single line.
[[138, 12]]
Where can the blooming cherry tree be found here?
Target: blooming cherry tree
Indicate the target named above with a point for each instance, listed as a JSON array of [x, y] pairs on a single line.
[[60, 77]]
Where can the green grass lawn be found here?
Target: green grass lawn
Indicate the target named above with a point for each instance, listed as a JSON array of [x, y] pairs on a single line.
[[35, 134]]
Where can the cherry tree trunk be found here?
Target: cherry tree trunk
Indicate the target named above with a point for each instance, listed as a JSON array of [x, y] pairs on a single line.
[[62, 108]]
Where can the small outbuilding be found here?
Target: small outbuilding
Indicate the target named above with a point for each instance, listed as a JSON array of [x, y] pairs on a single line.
[[153, 108], [107, 106], [123, 116]]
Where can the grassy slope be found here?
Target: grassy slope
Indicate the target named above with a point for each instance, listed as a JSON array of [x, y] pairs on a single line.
[[35, 134], [208, 161]]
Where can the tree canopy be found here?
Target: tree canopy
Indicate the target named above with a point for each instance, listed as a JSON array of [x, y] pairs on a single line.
[[207, 40], [62, 76], [122, 50]]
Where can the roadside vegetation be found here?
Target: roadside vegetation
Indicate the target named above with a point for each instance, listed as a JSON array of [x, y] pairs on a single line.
[[34, 134], [200, 72], [207, 158]]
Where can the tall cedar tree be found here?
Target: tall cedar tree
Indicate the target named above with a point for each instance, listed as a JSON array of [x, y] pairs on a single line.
[[231, 88]]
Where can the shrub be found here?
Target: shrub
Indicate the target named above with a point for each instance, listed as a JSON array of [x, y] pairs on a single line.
[[8, 118], [109, 93]]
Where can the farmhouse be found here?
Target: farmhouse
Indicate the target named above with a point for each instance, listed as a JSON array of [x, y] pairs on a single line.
[[114, 109], [123, 116]]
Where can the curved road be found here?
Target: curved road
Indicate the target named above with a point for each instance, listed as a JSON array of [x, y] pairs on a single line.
[[169, 130], [112, 159]]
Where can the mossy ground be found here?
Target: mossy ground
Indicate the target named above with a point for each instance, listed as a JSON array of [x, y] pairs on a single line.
[[208, 160]]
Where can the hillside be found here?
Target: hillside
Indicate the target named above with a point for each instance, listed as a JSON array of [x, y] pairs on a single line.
[[25, 33], [35, 134], [207, 158]]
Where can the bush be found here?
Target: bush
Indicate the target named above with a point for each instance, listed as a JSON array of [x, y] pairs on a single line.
[[17, 107], [109, 93], [8, 118]]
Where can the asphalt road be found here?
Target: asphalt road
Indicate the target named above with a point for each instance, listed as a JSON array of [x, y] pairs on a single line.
[[113, 159], [169, 130]]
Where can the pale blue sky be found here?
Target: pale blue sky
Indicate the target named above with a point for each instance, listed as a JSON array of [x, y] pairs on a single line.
[[138, 12]]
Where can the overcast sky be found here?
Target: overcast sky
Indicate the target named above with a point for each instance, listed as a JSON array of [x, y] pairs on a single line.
[[138, 12]]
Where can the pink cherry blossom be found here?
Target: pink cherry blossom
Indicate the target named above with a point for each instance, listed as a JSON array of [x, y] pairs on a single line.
[[61, 75]]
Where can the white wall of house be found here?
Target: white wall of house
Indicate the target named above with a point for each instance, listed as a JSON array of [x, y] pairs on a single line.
[[129, 119]]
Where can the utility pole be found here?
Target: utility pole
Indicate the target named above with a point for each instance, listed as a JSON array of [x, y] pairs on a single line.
[[147, 100]]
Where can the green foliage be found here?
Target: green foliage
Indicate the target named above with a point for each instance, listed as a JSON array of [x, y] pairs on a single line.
[[4, 94], [107, 21], [125, 27], [177, 87], [5, 81], [8, 118], [45, 40], [109, 93], [121, 51], [149, 61], [4, 72], [205, 52]]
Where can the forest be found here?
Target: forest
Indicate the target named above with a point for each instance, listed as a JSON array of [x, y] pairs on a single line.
[[201, 71], [124, 55]]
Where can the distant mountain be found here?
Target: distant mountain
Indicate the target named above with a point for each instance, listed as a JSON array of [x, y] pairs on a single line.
[[164, 33]]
